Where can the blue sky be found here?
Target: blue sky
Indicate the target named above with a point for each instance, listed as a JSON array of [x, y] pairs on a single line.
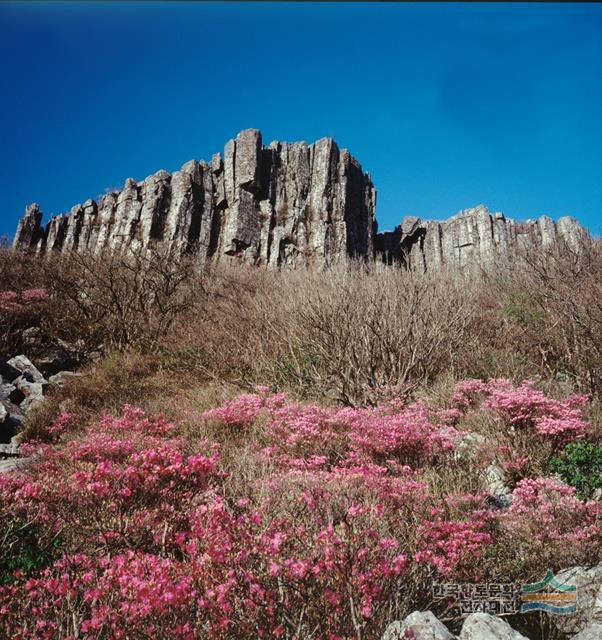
[[446, 105]]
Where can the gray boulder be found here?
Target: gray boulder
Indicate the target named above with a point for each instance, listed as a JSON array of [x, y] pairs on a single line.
[[11, 422], [467, 445], [495, 481], [12, 409], [6, 389], [32, 392], [56, 360], [14, 464], [26, 369], [589, 598], [31, 402], [482, 626], [423, 625], [9, 449], [28, 388]]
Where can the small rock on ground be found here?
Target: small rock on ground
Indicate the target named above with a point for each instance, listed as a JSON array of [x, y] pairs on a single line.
[[482, 626], [423, 625]]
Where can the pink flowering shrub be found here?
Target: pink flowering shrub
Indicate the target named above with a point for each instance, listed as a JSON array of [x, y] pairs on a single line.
[[549, 526], [329, 525], [549, 512], [153, 544], [34, 295], [301, 435], [241, 412], [456, 534], [525, 407], [321, 552], [9, 300], [60, 425], [16, 301], [468, 392]]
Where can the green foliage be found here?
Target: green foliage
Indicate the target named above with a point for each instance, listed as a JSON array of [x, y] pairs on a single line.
[[23, 551], [580, 465], [522, 311]]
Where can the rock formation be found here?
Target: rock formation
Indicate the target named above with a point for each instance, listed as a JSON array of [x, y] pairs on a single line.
[[284, 204], [471, 236], [288, 203]]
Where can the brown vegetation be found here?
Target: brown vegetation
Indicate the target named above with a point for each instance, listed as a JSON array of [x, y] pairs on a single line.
[[350, 334]]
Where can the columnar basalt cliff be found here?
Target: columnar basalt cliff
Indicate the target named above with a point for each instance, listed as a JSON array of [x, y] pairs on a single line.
[[287, 203], [284, 204], [472, 236]]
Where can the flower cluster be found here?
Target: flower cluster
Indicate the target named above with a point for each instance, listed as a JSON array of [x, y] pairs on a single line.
[[525, 407], [16, 301], [302, 435], [142, 528], [548, 511]]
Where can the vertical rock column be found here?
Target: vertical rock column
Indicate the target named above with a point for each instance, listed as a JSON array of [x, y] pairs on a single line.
[[471, 237], [29, 230], [242, 169]]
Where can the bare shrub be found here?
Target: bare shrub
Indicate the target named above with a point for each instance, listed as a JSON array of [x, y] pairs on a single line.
[[354, 333], [346, 332], [23, 299], [550, 311], [122, 299], [351, 333], [19, 270], [361, 332]]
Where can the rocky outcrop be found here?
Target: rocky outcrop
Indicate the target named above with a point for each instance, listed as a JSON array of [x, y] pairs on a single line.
[[287, 203], [473, 236], [588, 581], [284, 204], [22, 387], [29, 230]]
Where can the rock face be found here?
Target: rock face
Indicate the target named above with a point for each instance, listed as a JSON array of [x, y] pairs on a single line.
[[591, 632], [29, 229], [284, 204], [472, 236], [287, 203]]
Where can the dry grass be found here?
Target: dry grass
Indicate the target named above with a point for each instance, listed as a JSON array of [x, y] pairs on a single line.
[[347, 334]]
